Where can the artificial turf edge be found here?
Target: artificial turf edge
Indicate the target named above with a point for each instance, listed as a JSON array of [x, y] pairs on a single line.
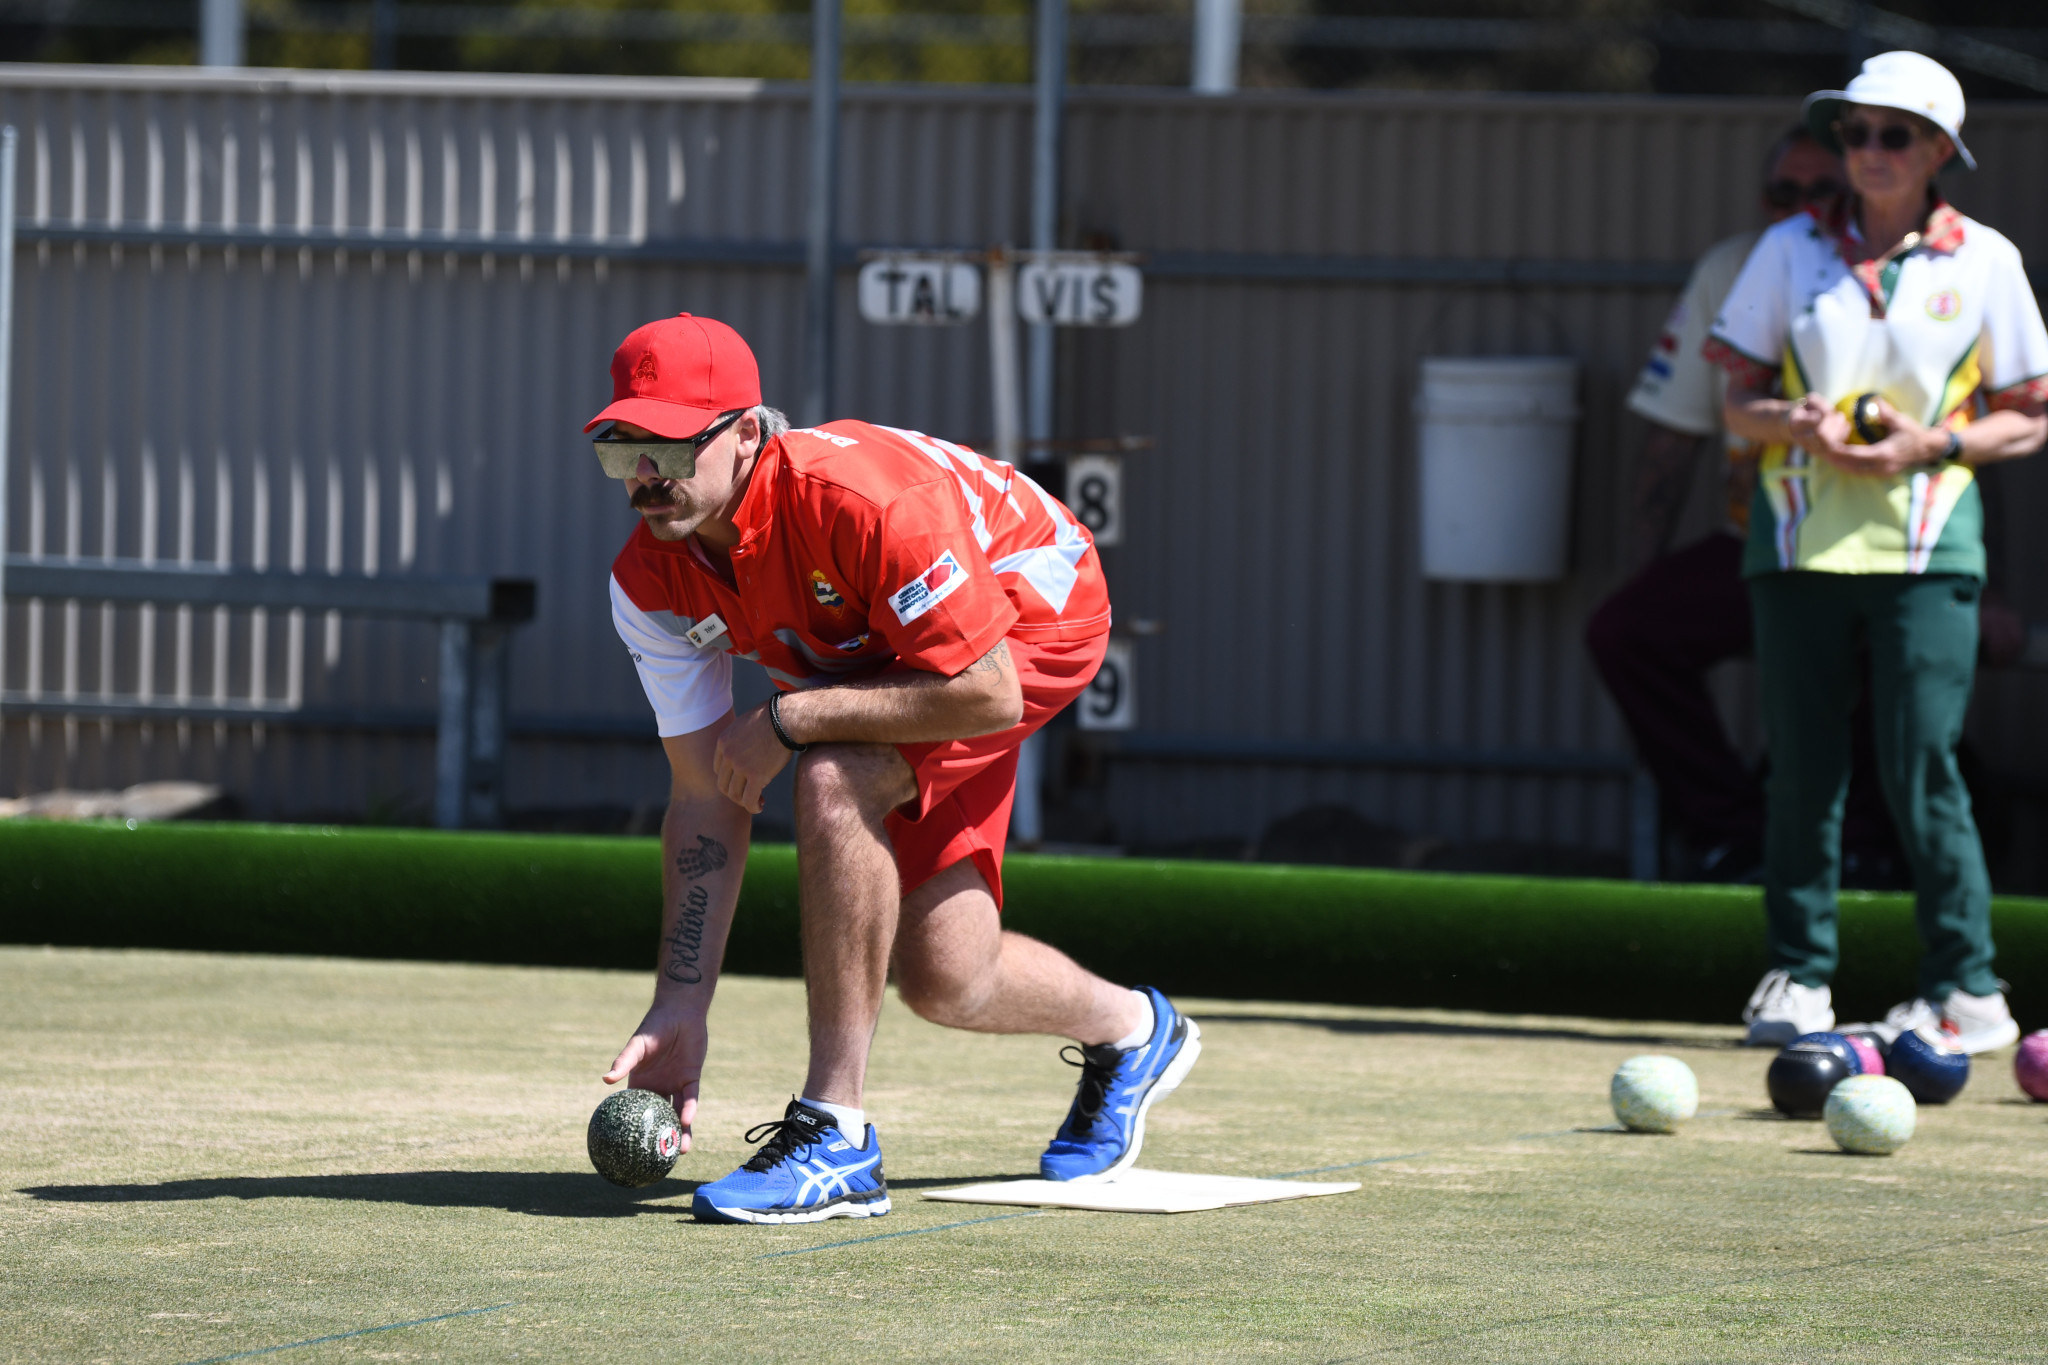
[[1238, 931]]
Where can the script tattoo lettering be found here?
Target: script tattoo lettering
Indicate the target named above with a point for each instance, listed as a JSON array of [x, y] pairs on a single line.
[[706, 858], [686, 940]]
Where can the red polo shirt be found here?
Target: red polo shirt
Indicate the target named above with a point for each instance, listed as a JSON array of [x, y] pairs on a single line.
[[859, 545]]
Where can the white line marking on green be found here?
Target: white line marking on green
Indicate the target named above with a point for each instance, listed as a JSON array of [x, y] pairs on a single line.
[[1347, 1165], [344, 1336], [885, 1236]]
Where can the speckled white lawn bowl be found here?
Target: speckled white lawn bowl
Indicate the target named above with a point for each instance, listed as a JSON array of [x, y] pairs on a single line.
[[1654, 1094], [1870, 1115]]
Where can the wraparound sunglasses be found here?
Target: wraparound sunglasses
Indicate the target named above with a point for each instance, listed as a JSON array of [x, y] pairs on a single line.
[[673, 458]]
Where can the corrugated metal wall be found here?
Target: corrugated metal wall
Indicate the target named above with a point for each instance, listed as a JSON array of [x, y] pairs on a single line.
[[399, 410]]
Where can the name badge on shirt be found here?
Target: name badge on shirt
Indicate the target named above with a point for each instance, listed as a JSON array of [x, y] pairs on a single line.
[[705, 631]]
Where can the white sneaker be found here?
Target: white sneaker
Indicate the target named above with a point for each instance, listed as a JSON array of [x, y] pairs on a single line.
[[1901, 1018], [1780, 1009], [1971, 1023], [1978, 1023]]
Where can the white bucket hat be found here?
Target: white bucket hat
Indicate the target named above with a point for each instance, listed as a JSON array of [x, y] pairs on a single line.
[[1895, 80]]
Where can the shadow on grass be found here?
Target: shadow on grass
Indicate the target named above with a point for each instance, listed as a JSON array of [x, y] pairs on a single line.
[[547, 1194], [1838, 1151], [1340, 1024]]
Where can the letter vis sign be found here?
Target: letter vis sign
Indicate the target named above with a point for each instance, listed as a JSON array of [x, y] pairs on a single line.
[[1080, 291], [928, 589]]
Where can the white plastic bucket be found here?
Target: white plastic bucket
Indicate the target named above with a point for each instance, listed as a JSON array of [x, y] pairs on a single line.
[[1496, 443]]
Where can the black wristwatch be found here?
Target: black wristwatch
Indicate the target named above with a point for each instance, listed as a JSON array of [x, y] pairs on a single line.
[[775, 719], [1955, 446]]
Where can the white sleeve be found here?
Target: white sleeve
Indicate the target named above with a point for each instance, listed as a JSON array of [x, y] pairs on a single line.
[[2015, 341], [688, 687], [1680, 388], [1756, 316]]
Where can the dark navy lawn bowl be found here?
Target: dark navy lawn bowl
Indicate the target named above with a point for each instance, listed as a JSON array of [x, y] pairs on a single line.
[[1933, 1071], [1801, 1077], [1837, 1044]]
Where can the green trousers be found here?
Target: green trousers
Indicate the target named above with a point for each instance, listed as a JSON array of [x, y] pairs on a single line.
[[1921, 632]]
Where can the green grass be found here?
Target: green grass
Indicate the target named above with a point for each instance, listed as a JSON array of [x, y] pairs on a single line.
[[202, 1155], [1234, 930]]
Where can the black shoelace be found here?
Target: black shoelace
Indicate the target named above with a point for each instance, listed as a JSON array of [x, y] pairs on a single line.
[[1098, 1064], [790, 1135]]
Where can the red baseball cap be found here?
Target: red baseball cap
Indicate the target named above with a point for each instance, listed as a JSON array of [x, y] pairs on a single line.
[[676, 376]]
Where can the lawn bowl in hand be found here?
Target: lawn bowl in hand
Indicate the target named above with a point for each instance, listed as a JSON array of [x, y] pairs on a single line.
[[635, 1138], [1869, 1055], [2030, 1065], [1654, 1094], [1868, 419], [1870, 1115], [1922, 1059], [1837, 1044], [1801, 1077]]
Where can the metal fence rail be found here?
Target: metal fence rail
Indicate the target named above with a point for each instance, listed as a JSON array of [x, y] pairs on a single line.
[[475, 615]]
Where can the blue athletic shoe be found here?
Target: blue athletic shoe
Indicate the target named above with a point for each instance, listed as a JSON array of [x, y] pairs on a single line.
[[1106, 1126], [807, 1172]]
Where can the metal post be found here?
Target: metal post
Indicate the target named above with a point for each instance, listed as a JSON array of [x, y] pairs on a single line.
[[818, 281], [384, 35], [1002, 353], [1051, 63], [8, 145], [490, 675], [1643, 832], [451, 736], [1051, 60], [1219, 27], [220, 33]]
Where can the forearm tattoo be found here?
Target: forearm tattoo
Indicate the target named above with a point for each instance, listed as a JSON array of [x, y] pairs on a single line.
[[686, 941], [707, 857], [995, 661]]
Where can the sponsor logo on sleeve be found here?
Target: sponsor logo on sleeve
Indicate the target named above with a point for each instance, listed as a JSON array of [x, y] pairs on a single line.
[[928, 589]]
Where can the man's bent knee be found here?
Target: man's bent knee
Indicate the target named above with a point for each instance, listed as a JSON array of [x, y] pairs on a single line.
[[937, 995], [865, 779]]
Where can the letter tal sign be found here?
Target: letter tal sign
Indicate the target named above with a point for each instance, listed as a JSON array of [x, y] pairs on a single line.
[[931, 290]]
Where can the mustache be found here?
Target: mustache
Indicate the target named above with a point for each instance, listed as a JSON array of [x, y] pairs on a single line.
[[661, 494]]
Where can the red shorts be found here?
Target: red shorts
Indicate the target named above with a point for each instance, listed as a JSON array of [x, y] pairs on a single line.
[[965, 786]]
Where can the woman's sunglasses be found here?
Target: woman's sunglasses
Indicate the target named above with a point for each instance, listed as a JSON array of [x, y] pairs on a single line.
[[673, 459], [1893, 137]]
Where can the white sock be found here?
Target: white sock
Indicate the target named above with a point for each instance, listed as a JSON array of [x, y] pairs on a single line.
[[1138, 1036], [852, 1122]]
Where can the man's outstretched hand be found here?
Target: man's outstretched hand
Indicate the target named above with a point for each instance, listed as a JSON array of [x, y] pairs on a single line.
[[665, 1055]]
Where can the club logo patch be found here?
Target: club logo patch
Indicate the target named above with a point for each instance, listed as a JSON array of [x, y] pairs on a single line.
[[827, 595], [1944, 305], [928, 589], [646, 371]]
